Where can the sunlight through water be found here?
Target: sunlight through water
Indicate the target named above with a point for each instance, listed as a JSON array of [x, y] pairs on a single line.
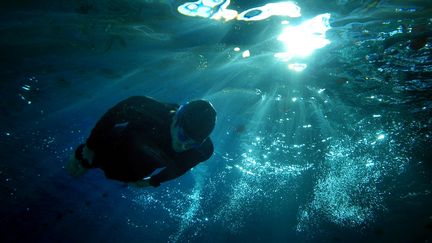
[[300, 41], [323, 132]]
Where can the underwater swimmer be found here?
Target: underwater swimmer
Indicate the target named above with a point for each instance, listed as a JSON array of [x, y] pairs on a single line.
[[140, 135]]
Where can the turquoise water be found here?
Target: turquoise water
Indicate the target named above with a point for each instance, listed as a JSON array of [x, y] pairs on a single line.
[[325, 144]]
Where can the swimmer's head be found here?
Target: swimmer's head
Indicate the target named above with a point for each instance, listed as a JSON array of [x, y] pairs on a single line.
[[192, 124]]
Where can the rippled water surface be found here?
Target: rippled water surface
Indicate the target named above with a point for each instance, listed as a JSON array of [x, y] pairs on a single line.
[[323, 131]]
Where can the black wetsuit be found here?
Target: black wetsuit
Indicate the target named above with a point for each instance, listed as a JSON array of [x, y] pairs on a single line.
[[133, 139]]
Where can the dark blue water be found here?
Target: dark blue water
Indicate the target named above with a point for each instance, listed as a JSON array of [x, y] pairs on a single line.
[[340, 152]]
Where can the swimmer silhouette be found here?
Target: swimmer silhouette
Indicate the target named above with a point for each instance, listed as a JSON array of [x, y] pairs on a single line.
[[140, 135]]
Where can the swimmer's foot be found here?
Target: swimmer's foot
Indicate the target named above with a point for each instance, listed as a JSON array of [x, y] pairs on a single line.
[[75, 166]]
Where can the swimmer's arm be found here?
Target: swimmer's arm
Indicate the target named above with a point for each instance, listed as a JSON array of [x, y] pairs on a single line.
[[178, 168], [166, 174], [169, 173], [141, 183], [156, 154]]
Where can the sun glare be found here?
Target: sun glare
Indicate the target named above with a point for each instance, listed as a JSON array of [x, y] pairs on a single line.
[[299, 41], [302, 40]]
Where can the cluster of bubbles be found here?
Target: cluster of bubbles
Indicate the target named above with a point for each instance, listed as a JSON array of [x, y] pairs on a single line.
[[28, 88], [349, 190]]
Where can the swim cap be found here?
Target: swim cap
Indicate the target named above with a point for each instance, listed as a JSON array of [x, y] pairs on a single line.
[[197, 119]]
